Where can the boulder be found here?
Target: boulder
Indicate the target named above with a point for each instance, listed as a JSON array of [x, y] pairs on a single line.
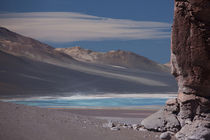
[[161, 121], [115, 128], [198, 130], [166, 135]]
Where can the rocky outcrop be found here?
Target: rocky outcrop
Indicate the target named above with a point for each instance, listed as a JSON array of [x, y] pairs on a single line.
[[80, 54], [165, 119], [190, 61], [190, 53], [115, 58]]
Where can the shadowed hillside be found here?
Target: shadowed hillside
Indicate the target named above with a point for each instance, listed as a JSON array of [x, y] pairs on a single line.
[[29, 67], [19, 45]]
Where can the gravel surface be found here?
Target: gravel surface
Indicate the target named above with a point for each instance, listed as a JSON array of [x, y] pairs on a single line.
[[20, 122]]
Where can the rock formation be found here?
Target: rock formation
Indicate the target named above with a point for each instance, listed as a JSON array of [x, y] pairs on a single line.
[[190, 61]]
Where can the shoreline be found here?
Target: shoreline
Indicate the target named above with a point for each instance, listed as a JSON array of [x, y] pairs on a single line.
[[93, 96], [146, 107]]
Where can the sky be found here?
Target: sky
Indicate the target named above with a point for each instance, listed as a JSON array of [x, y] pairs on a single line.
[[140, 26]]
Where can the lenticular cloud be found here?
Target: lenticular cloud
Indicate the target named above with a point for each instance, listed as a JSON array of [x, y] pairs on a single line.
[[69, 26]]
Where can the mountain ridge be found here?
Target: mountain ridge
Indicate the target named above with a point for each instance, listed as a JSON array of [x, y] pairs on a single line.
[[19, 45], [120, 58]]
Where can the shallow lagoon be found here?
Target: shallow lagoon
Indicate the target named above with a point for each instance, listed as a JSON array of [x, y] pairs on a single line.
[[91, 101]]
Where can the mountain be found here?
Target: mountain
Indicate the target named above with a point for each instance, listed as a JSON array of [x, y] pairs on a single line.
[[31, 68], [20, 76], [19, 45], [116, 58]]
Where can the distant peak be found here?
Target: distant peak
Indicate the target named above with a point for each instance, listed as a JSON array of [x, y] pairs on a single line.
[[115, 51], [121, 52], [76, 48]]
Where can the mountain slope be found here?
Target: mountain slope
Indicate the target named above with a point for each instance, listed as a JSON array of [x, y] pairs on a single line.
[[29, 67], [116, 58], [19, 45], [25, 77]]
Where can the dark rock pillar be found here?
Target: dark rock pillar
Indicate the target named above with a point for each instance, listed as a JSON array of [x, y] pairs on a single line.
[[190, 61], [190, 56]]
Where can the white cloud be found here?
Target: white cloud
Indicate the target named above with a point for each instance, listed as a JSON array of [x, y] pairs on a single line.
[[69, 26]]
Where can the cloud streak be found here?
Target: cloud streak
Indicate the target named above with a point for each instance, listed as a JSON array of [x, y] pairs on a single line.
[[70, 26]]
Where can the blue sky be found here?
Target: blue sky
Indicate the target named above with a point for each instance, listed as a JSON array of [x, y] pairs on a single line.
[[141, 26]]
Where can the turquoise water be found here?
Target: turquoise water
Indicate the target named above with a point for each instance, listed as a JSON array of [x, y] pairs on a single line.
[[98, 102]]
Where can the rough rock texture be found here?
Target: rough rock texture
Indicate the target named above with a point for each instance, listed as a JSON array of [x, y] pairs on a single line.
[[190, 64], [190, 53], [190, 57], [166, 135], [164, 120], [198, 130]]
